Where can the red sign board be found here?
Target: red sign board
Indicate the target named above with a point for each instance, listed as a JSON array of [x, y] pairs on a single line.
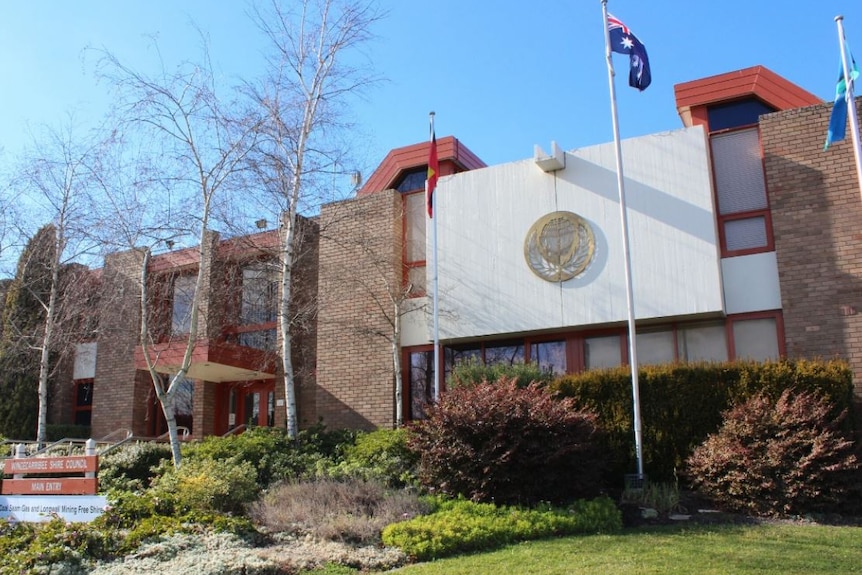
[[71, 471], [50, 486], [51, 465]]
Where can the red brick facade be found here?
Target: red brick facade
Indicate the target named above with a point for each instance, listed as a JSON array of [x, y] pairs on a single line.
[[816, 209], [360, 264]]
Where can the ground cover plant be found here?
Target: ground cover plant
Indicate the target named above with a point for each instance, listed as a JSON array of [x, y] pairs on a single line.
[[460, 526]]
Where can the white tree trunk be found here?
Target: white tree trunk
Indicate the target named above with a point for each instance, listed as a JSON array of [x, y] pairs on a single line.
[[284, 319], [396, 365]]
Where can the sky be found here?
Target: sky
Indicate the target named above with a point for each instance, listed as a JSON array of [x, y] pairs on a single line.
[[501, 75]]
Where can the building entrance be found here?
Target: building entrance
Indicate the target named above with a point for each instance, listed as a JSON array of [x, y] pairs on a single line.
[[250, 405]]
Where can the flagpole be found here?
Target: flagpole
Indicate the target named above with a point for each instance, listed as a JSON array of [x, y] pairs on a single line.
[[633, 356], [436, 309], [851, 102]]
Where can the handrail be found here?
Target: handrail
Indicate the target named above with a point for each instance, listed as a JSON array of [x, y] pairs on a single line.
[[235, 430], [108, 438]]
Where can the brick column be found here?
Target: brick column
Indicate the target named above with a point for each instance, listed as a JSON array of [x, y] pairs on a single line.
[[360, 260]]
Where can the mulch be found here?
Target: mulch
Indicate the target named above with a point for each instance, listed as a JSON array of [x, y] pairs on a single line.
[[695, 509]]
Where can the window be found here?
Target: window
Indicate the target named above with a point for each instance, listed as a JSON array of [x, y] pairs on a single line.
[[420, 382], [259, 294], [655, 347], [264, 339], [602, 351], [414, 243], [740, 187], [270, 409], [504, 353], [457, 354], [183, 299], [550, 356], [703, 342], [756, 338], [252, 409], [185, 404], [736, 114], [412, 181]]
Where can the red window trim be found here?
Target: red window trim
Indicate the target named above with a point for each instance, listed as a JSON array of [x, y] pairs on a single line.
[[770, 238], [777, 315], [765, 212]]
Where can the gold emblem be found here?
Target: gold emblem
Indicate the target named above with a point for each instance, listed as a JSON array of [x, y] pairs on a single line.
[[559, 246]]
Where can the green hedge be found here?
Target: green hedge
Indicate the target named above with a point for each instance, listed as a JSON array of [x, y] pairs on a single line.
[[683, 403]]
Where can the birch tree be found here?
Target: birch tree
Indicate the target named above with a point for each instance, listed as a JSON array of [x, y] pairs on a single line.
[[309, 79], [55, 178], [199, 144]]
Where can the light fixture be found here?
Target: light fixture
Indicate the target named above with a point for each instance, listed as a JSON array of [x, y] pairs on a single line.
[[170, 244], [549, 163], [261, 224]]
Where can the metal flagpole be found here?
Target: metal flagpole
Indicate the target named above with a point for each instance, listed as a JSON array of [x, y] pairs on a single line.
[[851, 103], [436, 310], [633, 356]]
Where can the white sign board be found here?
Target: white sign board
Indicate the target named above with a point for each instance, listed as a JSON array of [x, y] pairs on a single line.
[[39, 508]]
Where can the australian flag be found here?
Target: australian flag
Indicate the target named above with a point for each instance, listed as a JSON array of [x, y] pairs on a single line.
[[623, 41]]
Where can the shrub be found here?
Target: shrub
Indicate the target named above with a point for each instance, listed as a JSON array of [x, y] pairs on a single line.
[[208, 485], [132, 466], [682, 403], [498, 442], [380, 455], [273, 454], [42, 547], [773, 457], [353, 510], [461, 526], [471, 373]]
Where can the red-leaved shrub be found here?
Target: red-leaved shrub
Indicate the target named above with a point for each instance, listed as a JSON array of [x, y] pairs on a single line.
[[498, 442], [776, 457]]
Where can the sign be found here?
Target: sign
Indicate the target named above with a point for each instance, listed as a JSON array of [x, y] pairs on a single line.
[[51, 486], [72, 508], [34, 465]]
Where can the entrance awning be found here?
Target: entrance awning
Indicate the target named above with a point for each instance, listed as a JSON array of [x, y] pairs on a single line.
[[211, 361]]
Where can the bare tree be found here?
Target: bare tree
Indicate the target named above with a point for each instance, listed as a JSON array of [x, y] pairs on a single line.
[[56, 179], [308, 80], [199, 145]]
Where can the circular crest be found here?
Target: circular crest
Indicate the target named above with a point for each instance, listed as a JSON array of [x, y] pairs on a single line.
[[559, 246]]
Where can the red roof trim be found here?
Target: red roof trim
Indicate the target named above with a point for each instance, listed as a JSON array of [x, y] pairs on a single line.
[[756, 81], [400, 160]]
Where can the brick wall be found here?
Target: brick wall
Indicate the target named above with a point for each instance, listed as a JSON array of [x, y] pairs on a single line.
[[119, 394], [360, 261], [304, 333], [816, 209]]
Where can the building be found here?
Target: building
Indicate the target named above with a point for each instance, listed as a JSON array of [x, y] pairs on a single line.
[[743, 245]]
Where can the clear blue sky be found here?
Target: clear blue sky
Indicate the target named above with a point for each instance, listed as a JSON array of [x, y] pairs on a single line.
[[502, 75]]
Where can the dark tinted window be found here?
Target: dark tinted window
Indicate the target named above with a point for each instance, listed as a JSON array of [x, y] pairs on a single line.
[[736, 114], [412, 181]]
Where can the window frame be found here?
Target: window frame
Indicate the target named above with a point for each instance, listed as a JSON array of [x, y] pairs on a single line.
[[408, 265], [764, 212]]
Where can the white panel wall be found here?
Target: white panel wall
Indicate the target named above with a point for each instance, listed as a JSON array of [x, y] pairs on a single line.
[[483, 216], [415, 321], [751, 283], [85, 361]]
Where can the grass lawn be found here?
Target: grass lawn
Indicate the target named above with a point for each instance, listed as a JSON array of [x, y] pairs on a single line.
[[780, 549]]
